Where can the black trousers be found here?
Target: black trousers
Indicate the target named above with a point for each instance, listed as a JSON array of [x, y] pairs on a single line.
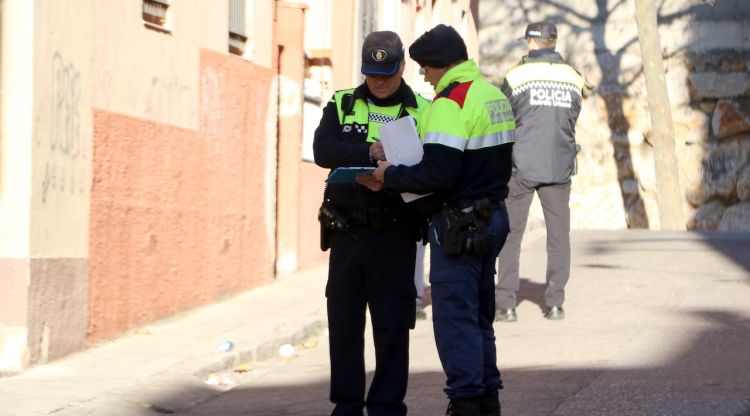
[[376, 270]]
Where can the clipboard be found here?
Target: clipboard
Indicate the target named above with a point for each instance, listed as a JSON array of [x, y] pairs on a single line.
[[349, 174]]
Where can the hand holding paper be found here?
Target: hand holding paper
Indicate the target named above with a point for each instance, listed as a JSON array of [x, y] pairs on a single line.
[[402, 147], [376, 151], [401, 142]]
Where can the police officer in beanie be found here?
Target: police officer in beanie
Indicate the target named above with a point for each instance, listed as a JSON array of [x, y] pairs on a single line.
[[546, 95], [467, 133], [371, 234]]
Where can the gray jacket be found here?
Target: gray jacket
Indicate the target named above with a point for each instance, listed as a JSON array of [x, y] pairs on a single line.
[[546, 95]]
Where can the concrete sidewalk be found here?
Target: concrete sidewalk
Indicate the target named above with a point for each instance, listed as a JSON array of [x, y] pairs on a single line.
[[658, 323], [162, 368]]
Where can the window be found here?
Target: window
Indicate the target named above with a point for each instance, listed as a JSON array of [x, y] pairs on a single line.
[[237, 34], [155, 14]]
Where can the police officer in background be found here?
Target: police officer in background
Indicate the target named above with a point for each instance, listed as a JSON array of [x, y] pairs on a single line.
[[467, 133], [546, 95], [372, 237]]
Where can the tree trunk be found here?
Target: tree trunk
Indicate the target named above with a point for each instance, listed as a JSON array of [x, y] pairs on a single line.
[[668, 190]]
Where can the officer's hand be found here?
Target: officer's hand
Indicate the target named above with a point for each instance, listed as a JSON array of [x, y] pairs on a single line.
[[379, 173], [376, 151], [370, 182]]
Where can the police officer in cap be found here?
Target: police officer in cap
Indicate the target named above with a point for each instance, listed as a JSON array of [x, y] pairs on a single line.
[[372, 237], [546, 95], [467, 133]]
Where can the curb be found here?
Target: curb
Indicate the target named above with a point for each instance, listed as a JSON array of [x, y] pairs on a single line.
[[189, 388], [261, 352]]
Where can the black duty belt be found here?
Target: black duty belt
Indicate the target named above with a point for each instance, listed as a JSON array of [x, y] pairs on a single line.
[[377, 218]]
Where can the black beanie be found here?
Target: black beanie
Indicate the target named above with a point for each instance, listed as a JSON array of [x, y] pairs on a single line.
[[439, 47]]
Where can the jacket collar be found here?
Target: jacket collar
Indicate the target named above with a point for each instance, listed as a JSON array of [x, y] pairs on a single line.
[[543, 55], [404, 95], [463, 72]]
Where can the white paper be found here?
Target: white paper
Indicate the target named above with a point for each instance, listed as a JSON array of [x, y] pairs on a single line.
[[402, 146]]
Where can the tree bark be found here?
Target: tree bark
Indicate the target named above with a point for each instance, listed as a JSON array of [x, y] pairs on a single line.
[[668, 189]]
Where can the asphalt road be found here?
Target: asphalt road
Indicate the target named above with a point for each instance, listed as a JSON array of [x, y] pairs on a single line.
[[657, 324]]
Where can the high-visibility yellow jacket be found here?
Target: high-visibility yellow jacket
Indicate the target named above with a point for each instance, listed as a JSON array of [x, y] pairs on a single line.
[[468, 134], [347, 129]]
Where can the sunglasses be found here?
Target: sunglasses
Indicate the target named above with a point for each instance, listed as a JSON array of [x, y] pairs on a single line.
[[421, 70]]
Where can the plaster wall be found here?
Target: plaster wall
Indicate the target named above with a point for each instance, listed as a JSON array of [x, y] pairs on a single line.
[[343, 49], [16, 69], [179, 216], [317, 41], [58, 308], [94, 54], [62, 129], [14, 279], [135, 128], [137, 168], [152, 74], [262, 29], [183, 184], [291, 75], [16, 103]]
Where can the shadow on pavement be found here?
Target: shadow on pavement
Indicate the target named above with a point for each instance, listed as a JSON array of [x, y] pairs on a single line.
[[708, 376], [532, 292], [658, 326], [734, 246]]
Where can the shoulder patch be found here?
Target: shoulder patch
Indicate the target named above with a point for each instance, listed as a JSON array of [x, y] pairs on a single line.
[[457, 93]]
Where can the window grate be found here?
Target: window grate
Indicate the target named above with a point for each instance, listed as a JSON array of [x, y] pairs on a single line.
[[237, 34], [237, 44], [155, 12]]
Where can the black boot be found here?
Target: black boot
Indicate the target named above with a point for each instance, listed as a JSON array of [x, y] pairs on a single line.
[[490, 404], [468, 406]]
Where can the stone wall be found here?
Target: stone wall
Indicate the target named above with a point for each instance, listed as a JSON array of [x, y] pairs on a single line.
[[707, 60]]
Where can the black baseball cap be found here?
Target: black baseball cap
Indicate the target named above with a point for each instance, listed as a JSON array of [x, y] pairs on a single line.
[[382, 53], [540, 30]]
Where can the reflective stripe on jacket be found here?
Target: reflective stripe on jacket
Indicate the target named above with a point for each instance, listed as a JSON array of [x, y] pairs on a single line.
[[546, 95], [368, 116], [468, 132], [344, 135]]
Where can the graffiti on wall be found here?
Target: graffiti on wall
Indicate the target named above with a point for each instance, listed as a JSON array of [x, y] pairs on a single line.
[[62, 172], [169, 98]]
